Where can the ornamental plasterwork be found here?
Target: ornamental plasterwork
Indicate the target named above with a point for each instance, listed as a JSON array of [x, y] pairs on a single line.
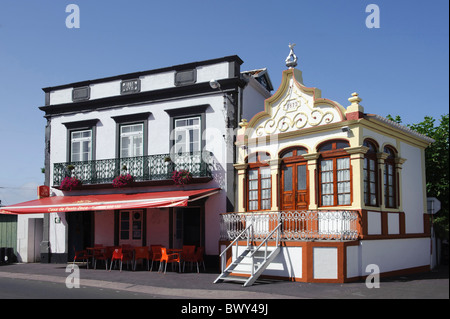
[[296, 110]]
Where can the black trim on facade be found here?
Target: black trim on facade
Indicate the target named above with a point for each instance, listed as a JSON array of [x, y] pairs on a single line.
[[138, 118], [142, 97], [78, 126], [130, 76], [81, 93], [81, 124], [185, 77], [185, 112], [130, 86]]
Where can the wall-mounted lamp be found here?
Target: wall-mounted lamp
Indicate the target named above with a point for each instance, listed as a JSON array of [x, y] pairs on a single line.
[[347, 130], [214, 85]]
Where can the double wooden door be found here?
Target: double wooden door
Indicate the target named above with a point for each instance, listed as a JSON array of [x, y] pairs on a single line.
[[294, 186]]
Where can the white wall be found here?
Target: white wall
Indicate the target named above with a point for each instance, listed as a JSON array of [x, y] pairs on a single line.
[[158, 226], [149, 82], [413, 192], [253, 99], [389, 255], [325, 262], [29, 237], [57, 233], [288, 263], [158, 129]]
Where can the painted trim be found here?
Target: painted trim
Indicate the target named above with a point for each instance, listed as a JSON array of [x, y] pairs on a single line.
[[161, 95], [130, 76]]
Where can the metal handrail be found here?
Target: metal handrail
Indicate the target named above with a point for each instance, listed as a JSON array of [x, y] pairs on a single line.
[[266, 240], [236, 239], [142, 168], [296, 225]]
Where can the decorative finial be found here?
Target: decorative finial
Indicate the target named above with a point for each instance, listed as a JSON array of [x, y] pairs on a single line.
[[243, 123], [291, 60]]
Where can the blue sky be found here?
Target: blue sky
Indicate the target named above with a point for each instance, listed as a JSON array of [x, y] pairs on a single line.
[[401, 68]]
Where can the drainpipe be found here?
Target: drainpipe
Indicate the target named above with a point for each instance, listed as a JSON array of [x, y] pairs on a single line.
[[45, 244]]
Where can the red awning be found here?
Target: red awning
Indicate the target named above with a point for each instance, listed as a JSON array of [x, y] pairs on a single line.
[[57, 204]]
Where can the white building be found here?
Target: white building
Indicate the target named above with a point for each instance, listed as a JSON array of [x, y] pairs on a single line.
[[145, 124], [341, 189]]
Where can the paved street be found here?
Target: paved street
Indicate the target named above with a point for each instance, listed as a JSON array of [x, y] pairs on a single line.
[[31, 280]]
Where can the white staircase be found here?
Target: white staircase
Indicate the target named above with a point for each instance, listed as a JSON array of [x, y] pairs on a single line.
[[252, 262]]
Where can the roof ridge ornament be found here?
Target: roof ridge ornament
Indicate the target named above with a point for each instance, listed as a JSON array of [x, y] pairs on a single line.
[[291, 60]]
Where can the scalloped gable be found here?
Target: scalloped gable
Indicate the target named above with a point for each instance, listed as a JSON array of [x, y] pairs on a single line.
[[294, 107]]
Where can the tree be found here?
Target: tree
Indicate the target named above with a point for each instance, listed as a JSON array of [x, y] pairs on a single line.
[[437, 166]]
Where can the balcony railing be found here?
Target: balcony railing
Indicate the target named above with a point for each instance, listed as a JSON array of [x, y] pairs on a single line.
[[142, 168], [295, 225]]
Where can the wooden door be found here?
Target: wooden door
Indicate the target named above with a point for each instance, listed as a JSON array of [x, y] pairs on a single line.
[[294, 187], [294, 198]]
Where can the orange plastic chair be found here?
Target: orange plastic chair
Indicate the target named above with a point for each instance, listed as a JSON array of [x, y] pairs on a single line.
[[119, 255], [169, 258], [156, 254], [104, 255], [187, 254], [141, 253]]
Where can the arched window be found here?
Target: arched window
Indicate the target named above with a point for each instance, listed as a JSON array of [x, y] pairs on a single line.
[[334, 173], [390, 180], [293, 152], [259, 182], [371, 174]]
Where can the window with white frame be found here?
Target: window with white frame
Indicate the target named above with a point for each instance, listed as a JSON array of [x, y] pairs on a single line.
[[259, 185], [131, 140], [335, 174], [188, 135], [81, 146]]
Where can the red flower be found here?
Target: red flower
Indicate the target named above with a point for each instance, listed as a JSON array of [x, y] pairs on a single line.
[[122, 180], [69, 183], [182, 177]]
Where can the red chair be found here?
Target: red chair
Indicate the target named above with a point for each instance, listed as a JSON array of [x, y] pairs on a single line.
[[156, 254], [118, 254], [105, 255], [197, 258], [187, 254], [169, 258], [82, 255], [141, 253]]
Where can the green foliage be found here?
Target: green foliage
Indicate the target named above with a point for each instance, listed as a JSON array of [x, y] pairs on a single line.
[[437, 166]]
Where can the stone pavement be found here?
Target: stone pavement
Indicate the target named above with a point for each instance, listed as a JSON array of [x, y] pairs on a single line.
[[192, 285]]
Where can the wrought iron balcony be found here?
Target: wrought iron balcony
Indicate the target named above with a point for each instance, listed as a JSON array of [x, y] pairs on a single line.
[[143, 168], [295, 225]]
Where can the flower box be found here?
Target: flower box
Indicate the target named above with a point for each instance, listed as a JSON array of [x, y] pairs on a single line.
[[70, 183], [123, 180], [182, 177]]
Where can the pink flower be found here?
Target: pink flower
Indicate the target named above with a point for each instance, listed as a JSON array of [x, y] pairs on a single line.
[[181, 177], [122, 180], [69, 183]]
